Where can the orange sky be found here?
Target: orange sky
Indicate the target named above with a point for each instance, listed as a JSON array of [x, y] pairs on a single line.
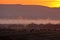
[[49, 3]]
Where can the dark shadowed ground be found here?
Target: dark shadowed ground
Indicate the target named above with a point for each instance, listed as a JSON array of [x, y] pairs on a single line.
[[25, 34]]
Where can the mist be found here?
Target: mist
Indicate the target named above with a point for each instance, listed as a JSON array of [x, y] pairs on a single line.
[[28, 21]]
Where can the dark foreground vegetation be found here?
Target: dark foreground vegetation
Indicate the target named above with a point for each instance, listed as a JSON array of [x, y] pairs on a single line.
[[30, 32]]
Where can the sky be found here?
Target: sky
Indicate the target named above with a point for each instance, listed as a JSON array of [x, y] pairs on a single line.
[[48, 3]]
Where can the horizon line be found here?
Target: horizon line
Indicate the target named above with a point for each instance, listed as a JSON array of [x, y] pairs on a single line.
[[30, 5]]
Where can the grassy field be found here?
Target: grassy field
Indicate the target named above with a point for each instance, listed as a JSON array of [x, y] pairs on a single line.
[[33, 32], [10, 34]]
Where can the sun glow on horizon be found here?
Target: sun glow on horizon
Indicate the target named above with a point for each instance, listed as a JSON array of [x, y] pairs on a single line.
[[56, 3], [48, 3]]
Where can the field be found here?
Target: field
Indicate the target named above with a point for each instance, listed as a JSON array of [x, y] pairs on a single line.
[[8, 33]]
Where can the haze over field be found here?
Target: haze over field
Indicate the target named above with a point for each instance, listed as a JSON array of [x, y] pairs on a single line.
[[28, 21], [28, 11]]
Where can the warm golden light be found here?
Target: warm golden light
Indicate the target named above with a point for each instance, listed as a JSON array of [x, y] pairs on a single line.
[[56, 3], [49, 3]]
